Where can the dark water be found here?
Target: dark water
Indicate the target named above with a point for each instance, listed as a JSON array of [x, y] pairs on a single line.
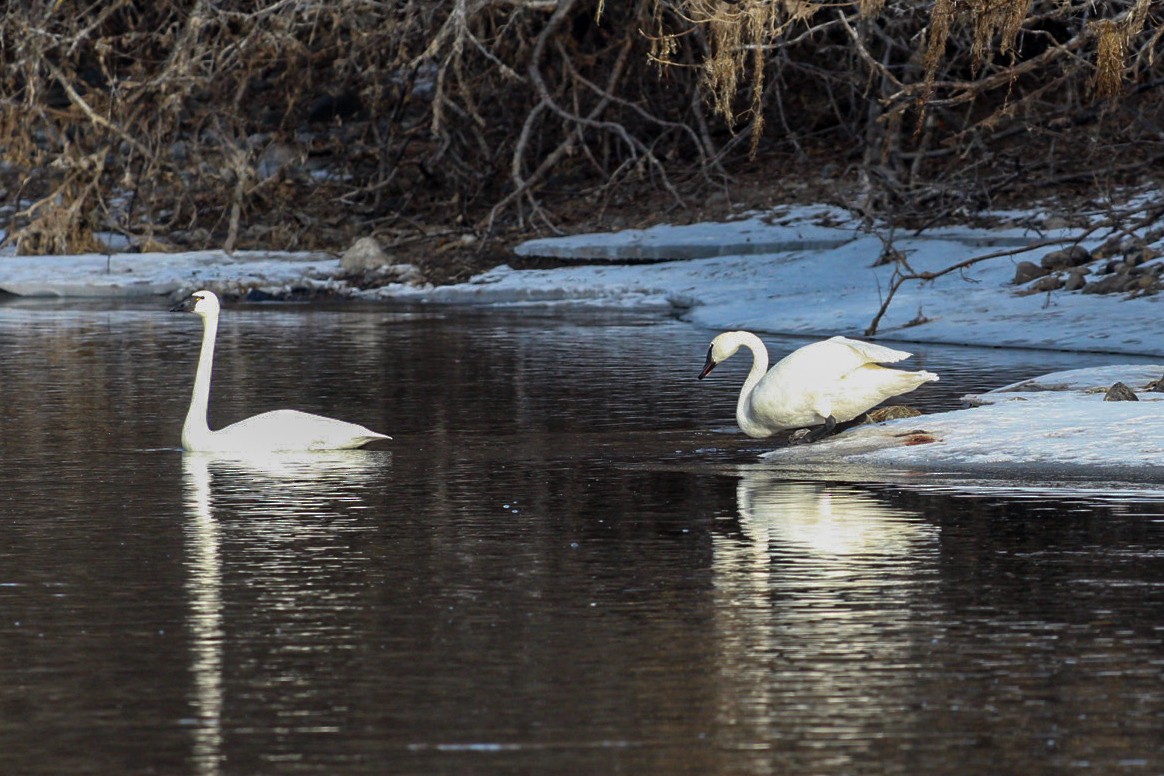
[[562, 564]]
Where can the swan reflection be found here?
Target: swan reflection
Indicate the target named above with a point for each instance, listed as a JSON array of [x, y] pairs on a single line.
[[840, 527], [823, 594], [309, 495], [204, 583]]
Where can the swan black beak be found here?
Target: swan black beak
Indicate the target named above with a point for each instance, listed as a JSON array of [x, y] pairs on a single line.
[[185, 306], [708, 365]]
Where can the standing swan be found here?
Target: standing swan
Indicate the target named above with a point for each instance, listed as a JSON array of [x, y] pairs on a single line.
[[279, 431], [826, 382]]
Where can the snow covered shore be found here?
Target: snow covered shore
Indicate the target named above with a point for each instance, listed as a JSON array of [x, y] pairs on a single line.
[[806, 271], [1056, 422], [801, 277], [123, 275]]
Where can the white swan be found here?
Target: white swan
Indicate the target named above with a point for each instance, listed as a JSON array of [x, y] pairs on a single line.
[[270, 432], [826, 382]]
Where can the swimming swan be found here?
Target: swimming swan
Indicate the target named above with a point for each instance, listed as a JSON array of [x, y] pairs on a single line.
[[826, 382], [279, 431]]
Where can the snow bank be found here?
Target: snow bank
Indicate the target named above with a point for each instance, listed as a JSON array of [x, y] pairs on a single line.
[[1058, 421], [811, 272], [803, 271], [147, 274]]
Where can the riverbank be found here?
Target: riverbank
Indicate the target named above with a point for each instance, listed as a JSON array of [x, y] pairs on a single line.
[[805, 270]]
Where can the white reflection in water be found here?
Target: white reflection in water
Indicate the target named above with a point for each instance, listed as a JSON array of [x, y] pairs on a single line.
[[280, 485], [204, 584], [822, 595]]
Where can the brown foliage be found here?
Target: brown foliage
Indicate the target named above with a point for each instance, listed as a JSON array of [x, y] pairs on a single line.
[[272, 123]]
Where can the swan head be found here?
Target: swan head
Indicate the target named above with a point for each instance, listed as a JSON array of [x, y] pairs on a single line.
[[723, 347], [201, 303]]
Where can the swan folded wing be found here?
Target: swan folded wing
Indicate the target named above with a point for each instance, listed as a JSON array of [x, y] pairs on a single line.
[[814, 366], [799, 398], [293, 431], [871, 352]]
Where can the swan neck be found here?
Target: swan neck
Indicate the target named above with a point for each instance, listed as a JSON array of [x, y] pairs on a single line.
[[759, 369], [759, 361], [200, 398]]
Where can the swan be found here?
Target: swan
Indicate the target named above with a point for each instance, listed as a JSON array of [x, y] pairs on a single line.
[[827, 382], [280, 431]]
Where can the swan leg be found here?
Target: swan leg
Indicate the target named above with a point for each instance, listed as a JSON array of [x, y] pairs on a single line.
[[816, 434], [820, 432], [830, 428]]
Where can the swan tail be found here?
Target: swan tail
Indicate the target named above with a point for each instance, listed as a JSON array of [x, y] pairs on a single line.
[[899, 381], [872, 384]]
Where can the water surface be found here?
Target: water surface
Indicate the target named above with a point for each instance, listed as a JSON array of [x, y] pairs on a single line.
[[566, 561]]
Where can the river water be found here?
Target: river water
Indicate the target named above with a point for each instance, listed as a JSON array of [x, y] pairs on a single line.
[[566, 562]]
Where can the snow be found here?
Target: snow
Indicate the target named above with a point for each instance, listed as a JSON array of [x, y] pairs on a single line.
[[1054, 422], [151, 274], [804, 271], [831, 290]]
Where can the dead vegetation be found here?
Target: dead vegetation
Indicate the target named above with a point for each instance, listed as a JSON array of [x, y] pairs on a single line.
[[446, 127]]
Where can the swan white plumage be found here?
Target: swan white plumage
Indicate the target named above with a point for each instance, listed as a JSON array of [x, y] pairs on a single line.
[[279, 431], [826, 382]]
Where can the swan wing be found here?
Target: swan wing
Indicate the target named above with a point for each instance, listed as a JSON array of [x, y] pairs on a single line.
[[292, 431], [823, 362], [870, 352], [838, 376]]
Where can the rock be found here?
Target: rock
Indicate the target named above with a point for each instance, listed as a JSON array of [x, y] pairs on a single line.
[[1047, 283], [150, 244], [1156, 386], [1140, 255], [1109, 284], [400, 273], [798, 436], [195, 238], [1120, 392], [1076, 280], [1066, 258], [717, 199], [1026, 271], [328, 107], [362, 270], [364, 255], [278, 157], [1111, 247], [892, 412]]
